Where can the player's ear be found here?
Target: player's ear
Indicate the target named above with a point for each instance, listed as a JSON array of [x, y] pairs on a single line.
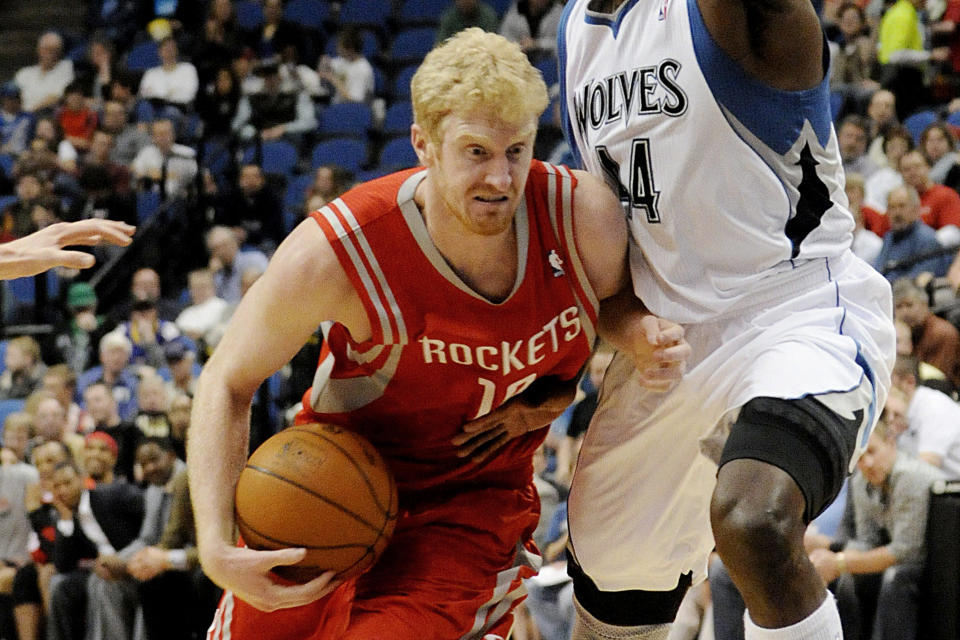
[[421, 145]]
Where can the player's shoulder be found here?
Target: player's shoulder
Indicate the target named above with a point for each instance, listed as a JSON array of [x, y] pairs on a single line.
[[365, 203]]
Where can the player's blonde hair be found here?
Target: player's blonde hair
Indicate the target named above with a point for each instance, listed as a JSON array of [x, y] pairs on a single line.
[[472, 71]]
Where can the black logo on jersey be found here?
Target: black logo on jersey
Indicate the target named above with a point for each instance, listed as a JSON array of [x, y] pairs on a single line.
[[813, 203], [642, 91]]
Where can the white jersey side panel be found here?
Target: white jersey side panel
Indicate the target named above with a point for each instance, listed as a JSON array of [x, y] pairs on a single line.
[[727, 183]]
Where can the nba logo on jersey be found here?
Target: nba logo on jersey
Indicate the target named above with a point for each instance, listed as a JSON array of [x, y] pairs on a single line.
[[556, 263], [663, 10]]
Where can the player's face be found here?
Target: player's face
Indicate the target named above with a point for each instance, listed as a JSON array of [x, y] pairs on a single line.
[[480, 170]]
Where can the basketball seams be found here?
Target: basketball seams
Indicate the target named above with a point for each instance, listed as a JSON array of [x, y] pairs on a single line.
[[342, 445], [356, 465], [313, 493]]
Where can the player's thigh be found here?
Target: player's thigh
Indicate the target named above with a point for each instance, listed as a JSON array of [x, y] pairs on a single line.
[[323, 619], [441, 581], [639, 504]]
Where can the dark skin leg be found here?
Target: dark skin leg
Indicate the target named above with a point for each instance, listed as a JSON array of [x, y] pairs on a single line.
[[757, 517]]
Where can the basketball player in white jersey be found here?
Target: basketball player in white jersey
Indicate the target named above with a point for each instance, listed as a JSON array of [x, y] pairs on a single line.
[[711, 119]]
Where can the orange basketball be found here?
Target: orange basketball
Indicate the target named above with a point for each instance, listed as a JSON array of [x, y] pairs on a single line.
[[323, 488]]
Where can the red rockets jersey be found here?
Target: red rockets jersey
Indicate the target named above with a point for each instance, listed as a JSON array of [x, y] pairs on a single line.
[[441, 354]]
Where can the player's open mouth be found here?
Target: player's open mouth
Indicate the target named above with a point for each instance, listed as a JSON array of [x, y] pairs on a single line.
[[491, 200]]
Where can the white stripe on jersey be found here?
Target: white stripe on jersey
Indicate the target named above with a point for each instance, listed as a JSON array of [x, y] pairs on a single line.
[[385, 308], [562, 174]]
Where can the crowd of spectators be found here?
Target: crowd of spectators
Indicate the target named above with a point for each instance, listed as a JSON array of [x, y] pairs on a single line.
[[217, 125]]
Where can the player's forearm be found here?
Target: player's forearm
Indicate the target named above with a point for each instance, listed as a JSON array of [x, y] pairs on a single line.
[[620, 317], [217, 451]]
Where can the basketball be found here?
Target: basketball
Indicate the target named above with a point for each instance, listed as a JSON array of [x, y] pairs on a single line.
[[323, 488]]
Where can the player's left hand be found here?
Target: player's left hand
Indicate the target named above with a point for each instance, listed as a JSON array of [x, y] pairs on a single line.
[[660, 352], [483, 436]]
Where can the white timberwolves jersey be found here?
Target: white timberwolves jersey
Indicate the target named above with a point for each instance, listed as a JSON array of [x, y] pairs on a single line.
[[726, 182]]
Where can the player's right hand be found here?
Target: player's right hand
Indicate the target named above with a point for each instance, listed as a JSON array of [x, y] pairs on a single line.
[[249, 575]]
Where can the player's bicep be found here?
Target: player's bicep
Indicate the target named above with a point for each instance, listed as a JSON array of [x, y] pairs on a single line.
[[600, 231], [302, 286]]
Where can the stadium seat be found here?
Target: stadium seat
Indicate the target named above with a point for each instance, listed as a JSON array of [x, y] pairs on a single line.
[[500, 6], [370, 47], [296, 190], [148, 202], [249, 14], [6, 201], [401, 83], [917, 122], [8, 406], [307, 13], [421, 12], [411, 45], [6, 164], [23, 290], [954, 119], [398, 154], [548, 69], [939, 597], [143, 56], [349, 153], [345, 119], [365, 13], [276, 156], [398, 119]]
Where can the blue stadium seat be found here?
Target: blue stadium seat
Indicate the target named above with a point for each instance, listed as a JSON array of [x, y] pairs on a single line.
[[23, 290], [144, 111], [421, 12], [548, 69], [401, 83], [278, 156], [500, 6], [411, 45], [8, 406], [954, 119], [6, 164], [365, 13], [370, 47], [307, 13], [249, 14], [147, 204], [143, 56], [917, 122], [349, 153], [296, 190], [345, 119], [3, 355], [398, 119], [398, 154], [6, 201]]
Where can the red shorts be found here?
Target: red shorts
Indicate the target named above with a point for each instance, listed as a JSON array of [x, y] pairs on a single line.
[[452, 570]]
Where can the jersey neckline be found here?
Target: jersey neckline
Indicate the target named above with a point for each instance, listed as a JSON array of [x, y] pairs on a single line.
[[418, 229]]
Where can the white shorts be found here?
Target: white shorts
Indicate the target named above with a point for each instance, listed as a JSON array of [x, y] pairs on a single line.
[[639, 504]]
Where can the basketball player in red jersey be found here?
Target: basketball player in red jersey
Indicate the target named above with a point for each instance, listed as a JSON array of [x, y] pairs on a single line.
[[444, 291]]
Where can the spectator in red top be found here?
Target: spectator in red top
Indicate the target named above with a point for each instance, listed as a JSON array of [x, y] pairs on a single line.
[[947, 27], [76, 118], [939, 205]]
